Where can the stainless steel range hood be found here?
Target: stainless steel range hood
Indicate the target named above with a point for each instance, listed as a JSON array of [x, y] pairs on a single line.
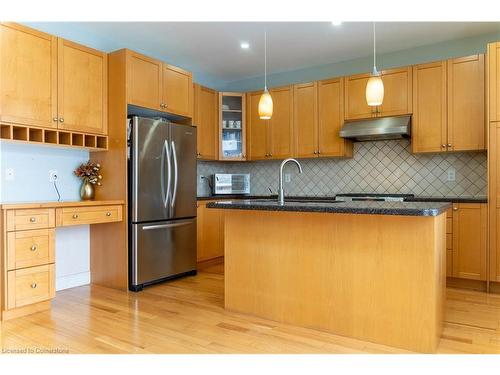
[[375, 129]]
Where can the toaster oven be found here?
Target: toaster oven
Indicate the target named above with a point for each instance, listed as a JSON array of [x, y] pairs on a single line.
[[226, 183]]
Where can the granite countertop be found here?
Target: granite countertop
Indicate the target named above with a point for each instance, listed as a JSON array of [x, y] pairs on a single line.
[[373, 208], [478, 199]]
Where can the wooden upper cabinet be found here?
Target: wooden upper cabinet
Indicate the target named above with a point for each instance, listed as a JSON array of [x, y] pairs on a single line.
[[28, 76], [397, 92], [355, 98], [206, 120], [281, 123], [429, 120], [470, 241], [177, 91], [159, 86], [494, 81], [331, 119], [82, 88], [305, 109], [397, 95], [466, 120], [144, 81], [257, 129]]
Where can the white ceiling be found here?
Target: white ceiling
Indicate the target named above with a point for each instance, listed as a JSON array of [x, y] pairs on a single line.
[[213, 48]]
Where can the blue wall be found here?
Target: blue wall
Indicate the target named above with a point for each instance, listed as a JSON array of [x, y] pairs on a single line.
[[31, 166], [439, 51]]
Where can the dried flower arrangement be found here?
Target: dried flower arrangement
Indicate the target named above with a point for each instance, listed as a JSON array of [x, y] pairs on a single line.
[[89, 172]]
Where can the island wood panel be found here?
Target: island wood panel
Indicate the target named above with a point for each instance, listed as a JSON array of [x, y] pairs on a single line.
[[110, 241], [466, 113], [331, 119], [82, 88], [305, 117], [257, 136], [373, 277], [493, 118], [205, 119], [429, 120], [28, 76], [281, 143]]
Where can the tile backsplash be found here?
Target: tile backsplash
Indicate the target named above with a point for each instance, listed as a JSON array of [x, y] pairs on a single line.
[[377, 167]]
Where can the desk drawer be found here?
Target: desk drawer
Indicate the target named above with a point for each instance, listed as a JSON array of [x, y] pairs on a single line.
[[88, 215], [30, 285], [30, 248], [30, 219]]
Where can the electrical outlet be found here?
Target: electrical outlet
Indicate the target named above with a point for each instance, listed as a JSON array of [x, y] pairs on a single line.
[[451, 174], [52, 175], [288, 177], [9, 174]]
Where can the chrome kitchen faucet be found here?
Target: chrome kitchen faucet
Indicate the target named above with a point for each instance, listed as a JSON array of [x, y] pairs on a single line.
[[281, 193]]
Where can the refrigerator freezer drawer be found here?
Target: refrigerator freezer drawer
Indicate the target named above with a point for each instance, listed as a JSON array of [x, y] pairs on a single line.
[[162, 249]]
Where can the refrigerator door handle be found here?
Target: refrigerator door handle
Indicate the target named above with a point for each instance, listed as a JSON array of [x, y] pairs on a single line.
[[176, 175], [166, 194], [166, 226]]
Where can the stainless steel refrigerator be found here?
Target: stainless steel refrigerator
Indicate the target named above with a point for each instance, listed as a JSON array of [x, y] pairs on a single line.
[[162, 201]]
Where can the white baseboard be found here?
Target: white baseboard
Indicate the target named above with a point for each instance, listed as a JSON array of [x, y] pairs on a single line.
[[71, 281]]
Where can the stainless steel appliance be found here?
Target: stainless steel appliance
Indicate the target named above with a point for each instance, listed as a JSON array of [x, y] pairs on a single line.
[[225, 183], [162, 201], [353, 197], [380, 128]]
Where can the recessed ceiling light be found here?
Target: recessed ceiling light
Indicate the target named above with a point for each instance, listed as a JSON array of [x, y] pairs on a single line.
[[244, 45], [336, 23]]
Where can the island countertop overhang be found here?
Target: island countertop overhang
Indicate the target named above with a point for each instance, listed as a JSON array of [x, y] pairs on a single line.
[[348, 207]]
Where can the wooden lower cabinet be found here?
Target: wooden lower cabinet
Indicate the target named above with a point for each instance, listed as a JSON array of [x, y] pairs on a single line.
[[210, 232], [466, 245]]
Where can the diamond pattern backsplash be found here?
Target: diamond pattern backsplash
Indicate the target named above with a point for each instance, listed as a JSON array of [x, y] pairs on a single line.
[[377, 167]]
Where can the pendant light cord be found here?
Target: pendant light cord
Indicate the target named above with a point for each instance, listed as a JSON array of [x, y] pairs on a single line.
[[265, 61], [374, 51]]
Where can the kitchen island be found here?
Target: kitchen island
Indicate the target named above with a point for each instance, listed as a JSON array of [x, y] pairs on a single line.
[[369, 270]]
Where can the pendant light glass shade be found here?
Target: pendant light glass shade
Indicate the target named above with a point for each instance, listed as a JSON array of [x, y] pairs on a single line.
[[266, 101], [375, 91], [374, 86], [265, 106]]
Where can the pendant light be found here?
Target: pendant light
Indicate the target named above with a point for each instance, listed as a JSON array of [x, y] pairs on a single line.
[[375, 86], [266, 101]]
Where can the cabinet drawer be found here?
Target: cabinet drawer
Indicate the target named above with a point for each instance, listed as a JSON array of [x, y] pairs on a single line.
[[30, 285], [30, 219], [30, 248], [88, 215]]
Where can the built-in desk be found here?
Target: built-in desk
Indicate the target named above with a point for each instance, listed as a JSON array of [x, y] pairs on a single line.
[[27, 261]]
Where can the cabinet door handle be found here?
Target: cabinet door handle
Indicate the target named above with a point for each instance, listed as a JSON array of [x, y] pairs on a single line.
[[443, 146], [449, 144], [61, 119], [33, 285], [33, 248], [55, 119], [319, 152], [32, 219], [108, 213], [455, 208], [75, 216]]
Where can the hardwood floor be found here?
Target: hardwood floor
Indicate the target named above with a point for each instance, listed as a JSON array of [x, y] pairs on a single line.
[[187, 316]]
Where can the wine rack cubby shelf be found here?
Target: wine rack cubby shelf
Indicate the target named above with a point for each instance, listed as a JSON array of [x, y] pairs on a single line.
[[54, 137]]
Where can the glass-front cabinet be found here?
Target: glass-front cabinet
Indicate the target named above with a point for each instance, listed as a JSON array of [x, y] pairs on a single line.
[[232, 127]]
